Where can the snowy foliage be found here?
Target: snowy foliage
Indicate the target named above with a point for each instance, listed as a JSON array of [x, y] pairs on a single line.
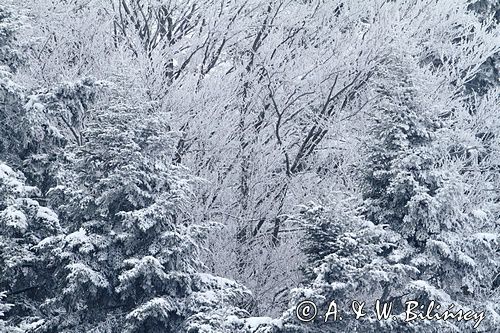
[[5, 307], [132, 249], [203, 166], [24, 223]]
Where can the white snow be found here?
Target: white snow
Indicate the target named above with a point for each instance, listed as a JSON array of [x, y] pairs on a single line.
[[480, 214], [486, 236], [32, 326], [338, 285], [14, 218], [47, 214], [157, 307], [442, 247], [77, 237], [216, 281], [431, 290], [83, 273], [253, 323], [10, 178], [465, 259], [80, 238]]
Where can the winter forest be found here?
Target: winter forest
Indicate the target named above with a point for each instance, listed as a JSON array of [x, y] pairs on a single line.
[[235, 166]]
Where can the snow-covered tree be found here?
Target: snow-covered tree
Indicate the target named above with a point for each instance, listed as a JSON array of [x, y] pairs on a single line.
[[421, 237], [383, 111], [36, 123], [9, 55], [24, 223], [130, 260], [361, 265], [489, 76], [415, 187], [403, 187], [4, 307], [11, 94]]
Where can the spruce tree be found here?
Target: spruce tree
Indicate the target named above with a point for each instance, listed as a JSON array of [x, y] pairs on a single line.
[[402, 185], [130, 260], [12, 138], [24, 223], [417, 188], [5, 326], [119, 254], [418, 237]]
